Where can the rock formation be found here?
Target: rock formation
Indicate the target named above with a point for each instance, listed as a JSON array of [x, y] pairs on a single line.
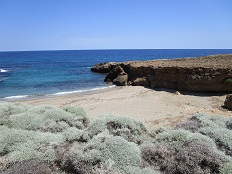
[[104, 67], [228, 102], [210, 73]]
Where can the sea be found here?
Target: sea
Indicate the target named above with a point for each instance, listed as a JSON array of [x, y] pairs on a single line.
[[26, 74]]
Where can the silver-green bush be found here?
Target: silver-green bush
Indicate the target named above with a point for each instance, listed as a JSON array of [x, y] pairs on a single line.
[[229, 124], [29, 167], [22, 145], [221, 136], [210, 121], [192, 157], [226, 168], [7, 109], [102, 150], [47, 119], [178, 137], [139, 170], [127, 128], [79, 112]]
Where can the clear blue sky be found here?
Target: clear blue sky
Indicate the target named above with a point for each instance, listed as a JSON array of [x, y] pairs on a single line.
[[114, 24]]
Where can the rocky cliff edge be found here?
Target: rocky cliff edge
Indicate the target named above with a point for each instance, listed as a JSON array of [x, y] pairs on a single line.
[[209, 73]]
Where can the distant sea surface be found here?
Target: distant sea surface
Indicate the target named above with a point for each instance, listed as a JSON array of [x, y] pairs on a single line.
[[39, 73]]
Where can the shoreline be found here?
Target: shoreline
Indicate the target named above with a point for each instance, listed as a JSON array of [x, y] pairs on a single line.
[[155, 107], [65, 93]]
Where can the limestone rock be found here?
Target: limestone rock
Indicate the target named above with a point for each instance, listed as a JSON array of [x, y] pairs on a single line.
[[228, 102]]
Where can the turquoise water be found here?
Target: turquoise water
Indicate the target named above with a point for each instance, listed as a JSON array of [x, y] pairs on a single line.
[[39, 73]]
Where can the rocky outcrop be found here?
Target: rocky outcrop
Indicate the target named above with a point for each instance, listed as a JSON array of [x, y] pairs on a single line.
[[228, 102], [210, 73], [104, 67]]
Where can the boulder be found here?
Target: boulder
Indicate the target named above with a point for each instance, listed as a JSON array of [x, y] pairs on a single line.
[[114, 73], [140, 81], [228, 102], [121, 80]]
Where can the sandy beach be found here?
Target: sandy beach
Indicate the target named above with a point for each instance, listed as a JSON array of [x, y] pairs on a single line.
[[157, 108]]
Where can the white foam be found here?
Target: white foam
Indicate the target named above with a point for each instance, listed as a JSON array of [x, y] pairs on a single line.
[[3, 70], [16, 97], [80, 91]]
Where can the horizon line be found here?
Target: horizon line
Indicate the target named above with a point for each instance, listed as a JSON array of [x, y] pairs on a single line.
[[120, 49]]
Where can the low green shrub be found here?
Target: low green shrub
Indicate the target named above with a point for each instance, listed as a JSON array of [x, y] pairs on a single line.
[[7, 109], [79, 112], [102, 150], [221, 136], [210, 121], [47, 119], [72, 134], [29, 167], [117, 126], [192, 157], [22, 145], [226, 168], [227, 80], [190, 125], [229, 124], [138, 170], [178, 137]]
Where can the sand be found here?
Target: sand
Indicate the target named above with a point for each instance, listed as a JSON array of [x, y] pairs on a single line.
[[157, 108]]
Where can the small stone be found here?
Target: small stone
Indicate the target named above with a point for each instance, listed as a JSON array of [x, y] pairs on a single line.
[[177, 93], [228, 102]]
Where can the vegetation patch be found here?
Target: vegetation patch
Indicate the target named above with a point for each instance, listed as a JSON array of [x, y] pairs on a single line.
[[46, 139], [227, 80]]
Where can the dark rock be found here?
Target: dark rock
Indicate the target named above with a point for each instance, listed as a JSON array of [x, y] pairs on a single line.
[[121, 80], [114, 73], [104, 67], [140, 81], [228, 102]]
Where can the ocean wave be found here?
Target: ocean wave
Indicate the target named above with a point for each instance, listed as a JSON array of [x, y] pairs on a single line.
[[4, 70], [16, 97], [81, 91]]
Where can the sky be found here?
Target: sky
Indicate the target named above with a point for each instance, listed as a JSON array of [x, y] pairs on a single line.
[[115, 24]]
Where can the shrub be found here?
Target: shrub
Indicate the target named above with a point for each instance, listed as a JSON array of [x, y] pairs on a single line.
[[227, 80], [21, 145], [7, 109], [102, 150], [221, 136], [117, 126], [190, 125], [178, 137], [29, 167], [46, 119], [209, 121], [226, 169], [80, 113], [192, 157], [138, 170], [24, 153], [72, 134], [229, 124]]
